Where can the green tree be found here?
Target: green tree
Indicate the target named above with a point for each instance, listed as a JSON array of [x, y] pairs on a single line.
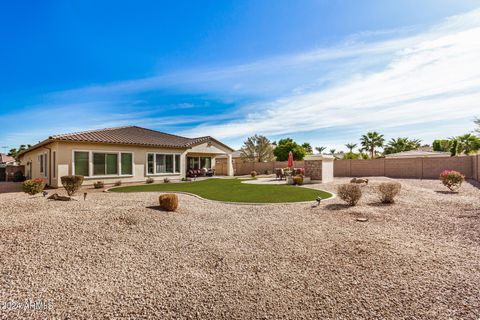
[[401, 144], [286, 145], [371, 141], [257, 149], [352, 156], [455, 148], [320, 149], [307, 147], [442, 145], [332, 151], [14, 151]]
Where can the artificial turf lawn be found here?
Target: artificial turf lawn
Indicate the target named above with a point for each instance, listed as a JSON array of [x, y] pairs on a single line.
[[233, 190]]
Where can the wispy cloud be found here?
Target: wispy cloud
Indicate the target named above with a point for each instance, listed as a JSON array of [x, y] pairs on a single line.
[[432, 76], [377, 80]]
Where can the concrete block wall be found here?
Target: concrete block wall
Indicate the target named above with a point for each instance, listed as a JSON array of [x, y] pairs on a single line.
[[419, 168]]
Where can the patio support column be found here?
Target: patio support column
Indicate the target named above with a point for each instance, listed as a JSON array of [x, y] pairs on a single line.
[[229, 165], [183, 165]]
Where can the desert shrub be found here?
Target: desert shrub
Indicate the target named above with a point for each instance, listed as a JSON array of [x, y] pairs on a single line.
[[253, 173], [168, 202], [298, 180], [267, 171], [128, 219], [118, 183], [71, 183], [18, 176], [149, 180], [350, 193], [388, 191], [33, 186], [166, 180], [99, 185], [452, 179]]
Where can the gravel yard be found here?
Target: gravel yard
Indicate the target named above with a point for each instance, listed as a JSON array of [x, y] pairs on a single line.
[[115, 255]]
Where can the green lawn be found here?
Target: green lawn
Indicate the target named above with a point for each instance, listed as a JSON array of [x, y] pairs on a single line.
[[234, 191]]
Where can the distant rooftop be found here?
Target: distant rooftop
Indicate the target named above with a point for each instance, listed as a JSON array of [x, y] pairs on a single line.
[[418, 153], [6, 158]]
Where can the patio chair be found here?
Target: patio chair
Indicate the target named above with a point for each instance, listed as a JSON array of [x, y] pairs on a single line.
[[280, 173]]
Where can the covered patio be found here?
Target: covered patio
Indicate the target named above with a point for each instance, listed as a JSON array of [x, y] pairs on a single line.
[[208, 159]]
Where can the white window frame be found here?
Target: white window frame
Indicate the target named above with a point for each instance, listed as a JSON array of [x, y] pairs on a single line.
[[42, 164], [155, 173], [54, 164], [200, 161], [119, 164]]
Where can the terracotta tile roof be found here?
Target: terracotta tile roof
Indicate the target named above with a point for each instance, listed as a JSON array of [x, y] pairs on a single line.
[[129, 135]]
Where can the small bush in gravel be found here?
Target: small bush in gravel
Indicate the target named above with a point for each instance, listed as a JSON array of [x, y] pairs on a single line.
[[452, 179], [350, 193], [99, 185], [71, 183], [253, 174], [128, 219], [118, 183], [33, 186], [388, 191], [267, 172], [150, 180], [168, 202], [166, 180], [298, 180]]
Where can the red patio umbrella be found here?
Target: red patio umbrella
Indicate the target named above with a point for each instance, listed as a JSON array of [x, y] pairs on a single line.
[[290, 159]]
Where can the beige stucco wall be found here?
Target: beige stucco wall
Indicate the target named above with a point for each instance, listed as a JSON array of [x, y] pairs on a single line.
[[32, 157], [64, 157]]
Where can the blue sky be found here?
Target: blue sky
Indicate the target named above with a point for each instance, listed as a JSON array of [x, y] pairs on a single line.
[[318, 71]]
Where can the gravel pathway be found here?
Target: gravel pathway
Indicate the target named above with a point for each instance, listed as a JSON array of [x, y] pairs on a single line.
[[117, 256]]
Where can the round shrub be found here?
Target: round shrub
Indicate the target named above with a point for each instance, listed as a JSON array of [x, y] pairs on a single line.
[[33, 186], [118, 183], [149, 180], [99, 185], [350, 193], [166, 180], [71, 183], [253, 173], [298, 180], [168, 202], [452, 179], [388, 191]]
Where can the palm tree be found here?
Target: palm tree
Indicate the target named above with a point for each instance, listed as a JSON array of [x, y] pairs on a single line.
[[372, 140], [332, 151], [320, 149], [402, 144], [351, 146], [468, 143]]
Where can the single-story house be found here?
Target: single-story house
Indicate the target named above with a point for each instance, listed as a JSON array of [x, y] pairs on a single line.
[[128, 154]]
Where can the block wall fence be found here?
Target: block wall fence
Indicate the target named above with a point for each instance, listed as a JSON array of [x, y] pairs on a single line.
[[416, 168]]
